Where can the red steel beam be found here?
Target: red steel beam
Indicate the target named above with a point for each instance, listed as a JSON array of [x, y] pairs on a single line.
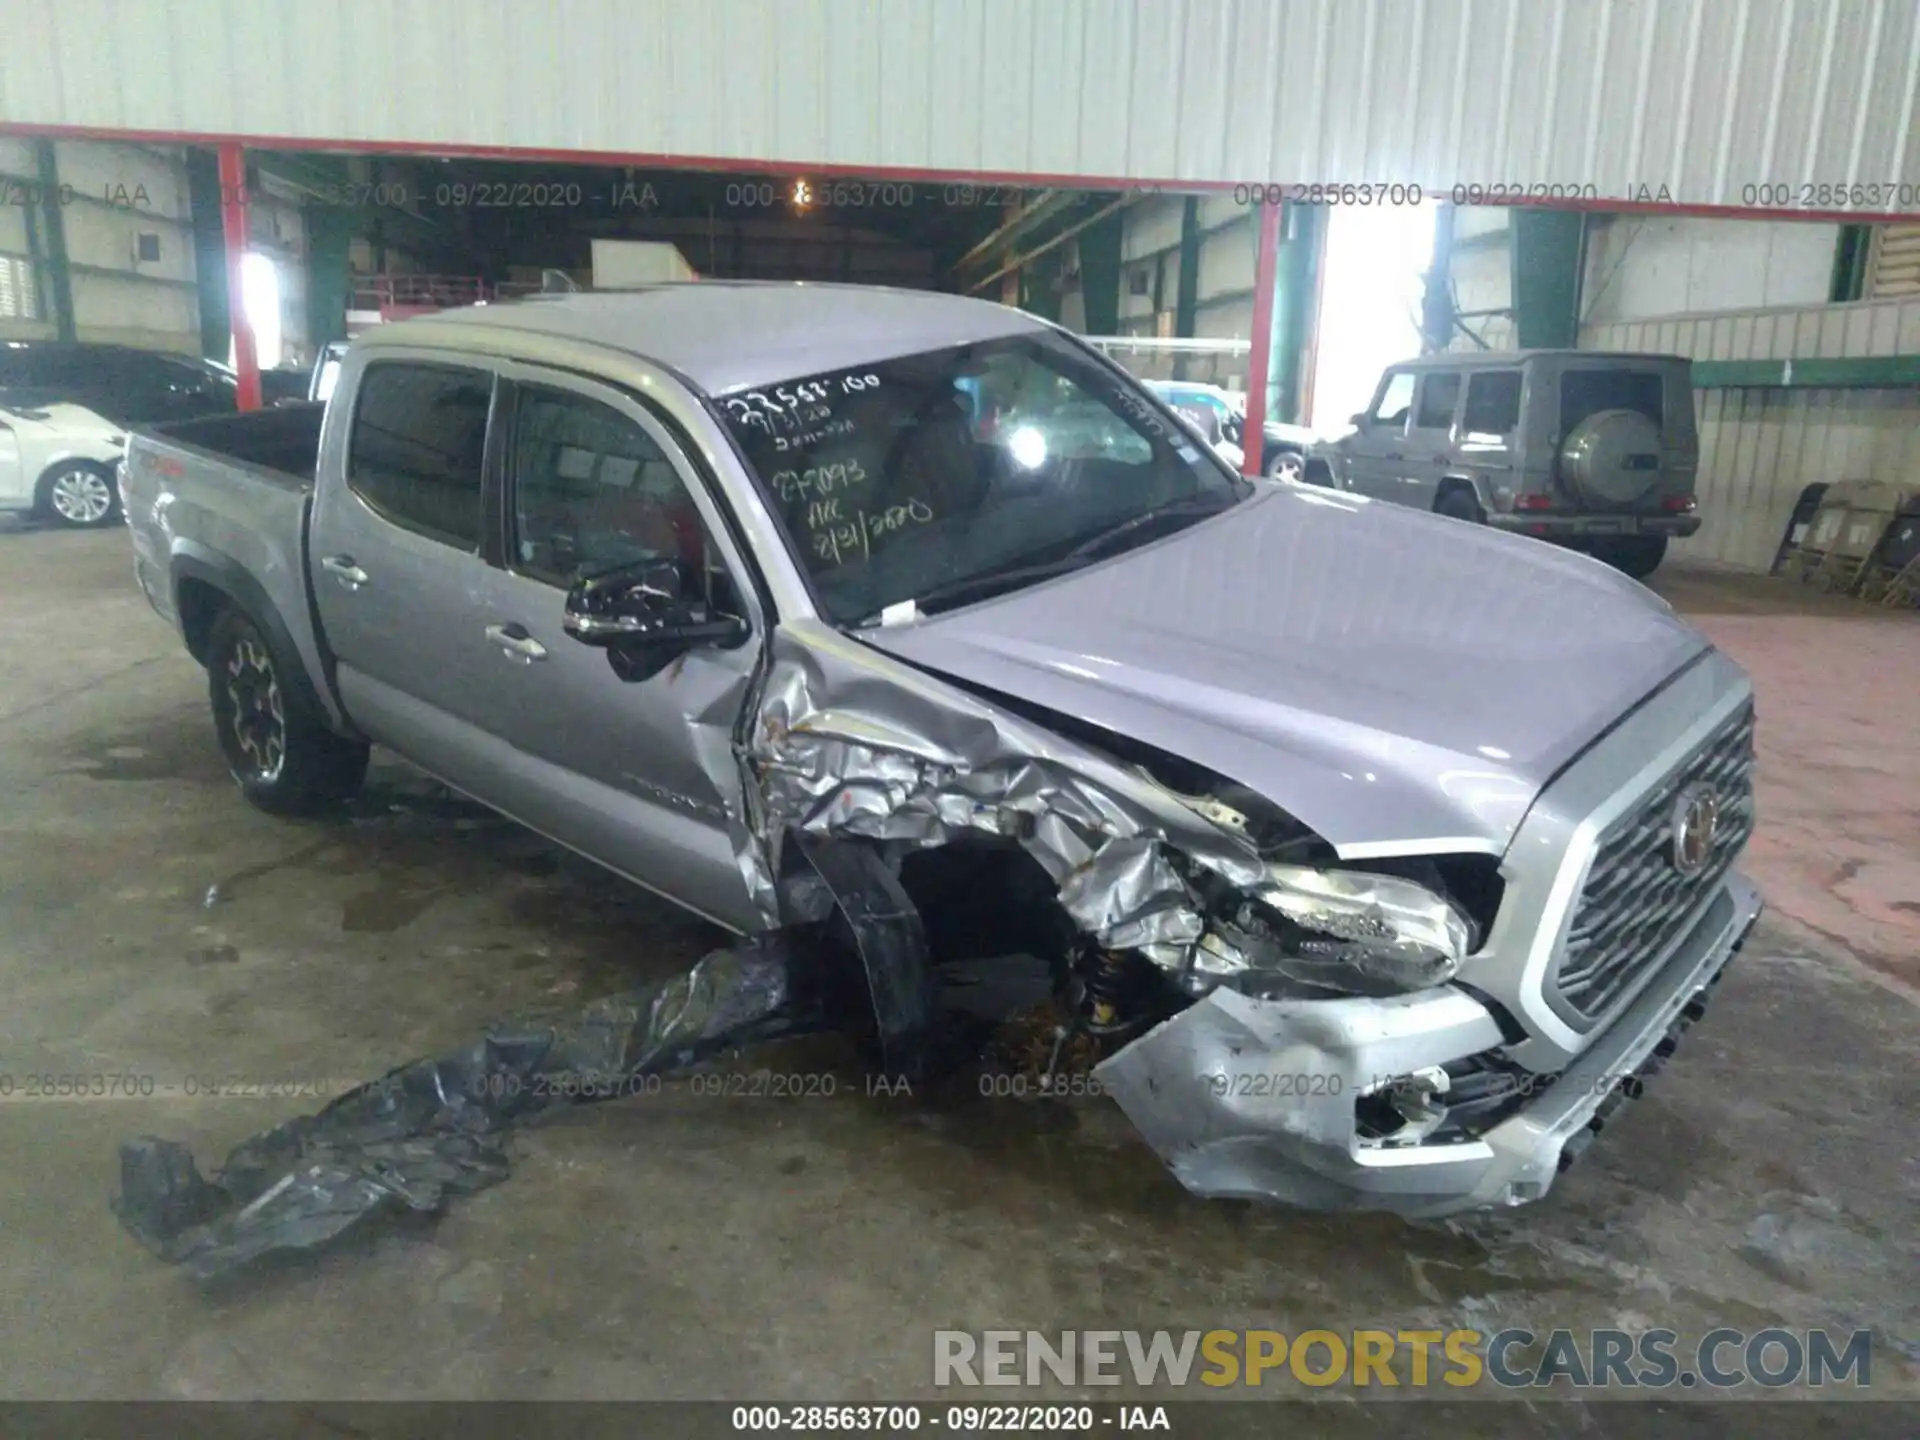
[[233, 225], [1629, 204], [1266, 264]]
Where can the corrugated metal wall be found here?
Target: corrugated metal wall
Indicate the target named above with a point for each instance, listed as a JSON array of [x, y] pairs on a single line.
[[1704, 97], [1759, 447], [115, 195]]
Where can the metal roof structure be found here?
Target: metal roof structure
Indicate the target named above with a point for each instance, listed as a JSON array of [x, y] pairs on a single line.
[[1603, 102]]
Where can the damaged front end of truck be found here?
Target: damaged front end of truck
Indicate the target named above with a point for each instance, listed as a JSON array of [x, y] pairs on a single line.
[[1173, 897]]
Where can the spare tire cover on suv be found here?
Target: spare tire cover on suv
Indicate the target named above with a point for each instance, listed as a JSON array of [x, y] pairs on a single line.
[[1613, 457]]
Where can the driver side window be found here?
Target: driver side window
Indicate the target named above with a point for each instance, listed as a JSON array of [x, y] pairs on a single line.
[[592, 492], [1396, 399]]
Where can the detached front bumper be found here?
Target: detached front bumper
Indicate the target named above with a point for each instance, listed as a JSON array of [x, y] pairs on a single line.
[[1549, 526], [1256, 1099]]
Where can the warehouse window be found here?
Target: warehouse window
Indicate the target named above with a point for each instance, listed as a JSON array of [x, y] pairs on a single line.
[[419, 442], [1493, 403], [19, 295]]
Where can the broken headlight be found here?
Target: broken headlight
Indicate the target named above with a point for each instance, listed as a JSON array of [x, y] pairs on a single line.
[[1349, 931]]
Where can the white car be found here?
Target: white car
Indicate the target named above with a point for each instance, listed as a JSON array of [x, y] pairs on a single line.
[[58, 461]]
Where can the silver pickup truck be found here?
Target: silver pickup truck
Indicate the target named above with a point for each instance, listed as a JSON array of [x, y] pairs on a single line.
[[1373, 858]]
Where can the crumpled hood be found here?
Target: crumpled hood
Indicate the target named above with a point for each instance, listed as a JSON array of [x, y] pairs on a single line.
[[1398, 681]]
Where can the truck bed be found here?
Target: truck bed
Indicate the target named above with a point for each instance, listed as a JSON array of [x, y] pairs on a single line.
[[218, 513], [285, 439]]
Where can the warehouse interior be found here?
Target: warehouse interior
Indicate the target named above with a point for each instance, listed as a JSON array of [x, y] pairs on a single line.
[[120, 243], [1265, 214]]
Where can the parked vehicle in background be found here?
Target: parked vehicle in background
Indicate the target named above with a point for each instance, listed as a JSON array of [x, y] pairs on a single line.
[[326, 369], [1283, 448], [1591, 449], [58, 460], [284, 385], [1205, 421], [1373, 856], [118, 382]]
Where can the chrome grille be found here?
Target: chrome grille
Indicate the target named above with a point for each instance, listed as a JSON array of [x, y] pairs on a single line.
[[1635, 901]]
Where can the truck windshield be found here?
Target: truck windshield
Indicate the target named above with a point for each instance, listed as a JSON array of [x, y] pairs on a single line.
[[943, 476]]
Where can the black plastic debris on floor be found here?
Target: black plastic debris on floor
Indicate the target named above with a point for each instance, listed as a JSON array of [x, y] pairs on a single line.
[[435, 1128]]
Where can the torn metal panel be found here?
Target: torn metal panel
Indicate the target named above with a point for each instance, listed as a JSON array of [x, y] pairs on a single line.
[[435, 1128], [715, 749], [849, 743]]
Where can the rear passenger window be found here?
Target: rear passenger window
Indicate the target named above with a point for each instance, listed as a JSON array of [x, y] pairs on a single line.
[[1493, 403], [1588, 392], [419, 440], [1438, 395]]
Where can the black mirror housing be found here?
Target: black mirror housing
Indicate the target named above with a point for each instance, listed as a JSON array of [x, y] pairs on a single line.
[[643, 618]]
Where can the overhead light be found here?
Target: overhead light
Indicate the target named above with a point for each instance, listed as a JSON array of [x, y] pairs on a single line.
[[1029, 447]]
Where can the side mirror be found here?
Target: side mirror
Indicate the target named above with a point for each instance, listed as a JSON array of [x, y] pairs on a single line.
[[1359, 421], [642, 617]]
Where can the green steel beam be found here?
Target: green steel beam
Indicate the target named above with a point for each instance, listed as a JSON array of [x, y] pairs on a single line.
[[1294, 286], [1186, 300], [1875, 372], [1545, 266], [329, 240], [53, 242], [1100, 273], [209, 253], [1850, 253]]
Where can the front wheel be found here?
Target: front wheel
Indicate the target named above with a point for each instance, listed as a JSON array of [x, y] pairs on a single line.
[[1460, 504], [285, 760], [1287, 465], [80, 494], [1638, 555]]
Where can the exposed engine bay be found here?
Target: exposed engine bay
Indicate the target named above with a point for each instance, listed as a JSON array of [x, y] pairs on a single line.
[[1144, 881]]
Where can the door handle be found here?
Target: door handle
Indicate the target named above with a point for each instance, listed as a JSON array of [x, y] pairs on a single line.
[[515, 641], [342, 568], [1395, 455]]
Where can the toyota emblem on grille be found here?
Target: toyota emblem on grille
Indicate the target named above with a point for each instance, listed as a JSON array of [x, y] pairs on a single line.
[[1696, 816]]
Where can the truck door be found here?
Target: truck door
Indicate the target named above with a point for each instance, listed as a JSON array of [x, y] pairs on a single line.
[[639, 775], [397, 564], [1377, 448]]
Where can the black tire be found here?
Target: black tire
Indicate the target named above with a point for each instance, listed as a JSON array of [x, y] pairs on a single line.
[[1460, 504], [1288, 464], [1637, 555], [71, 493], [282, 755]]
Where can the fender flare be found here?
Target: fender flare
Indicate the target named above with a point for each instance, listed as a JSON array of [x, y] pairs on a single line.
[[195, 562], [902, 990]]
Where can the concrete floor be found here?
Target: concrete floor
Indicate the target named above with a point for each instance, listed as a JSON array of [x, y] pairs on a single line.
[[684, 1246]]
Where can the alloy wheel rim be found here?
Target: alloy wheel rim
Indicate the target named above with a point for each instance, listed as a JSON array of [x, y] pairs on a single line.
[[82, 496], [1288, 467], [259, 716]]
